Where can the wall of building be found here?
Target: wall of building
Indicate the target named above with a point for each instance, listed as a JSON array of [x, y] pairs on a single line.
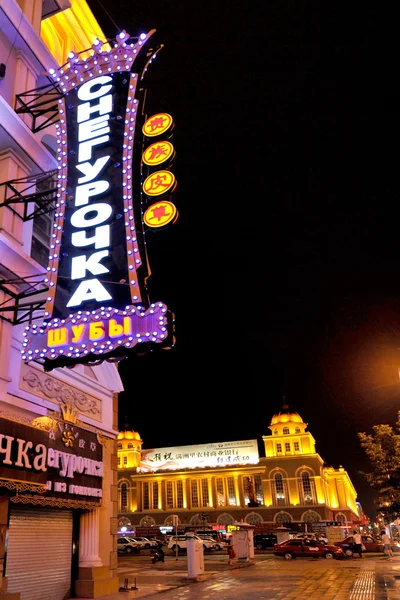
[[28, 394], [290, 486]]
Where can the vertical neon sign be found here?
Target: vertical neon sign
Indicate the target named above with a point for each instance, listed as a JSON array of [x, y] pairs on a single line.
[[95, 306]]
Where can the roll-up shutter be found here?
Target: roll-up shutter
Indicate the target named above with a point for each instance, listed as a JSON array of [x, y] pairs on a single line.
[[39, 553]]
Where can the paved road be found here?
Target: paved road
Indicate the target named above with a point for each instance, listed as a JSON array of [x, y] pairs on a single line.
[[265, 577]]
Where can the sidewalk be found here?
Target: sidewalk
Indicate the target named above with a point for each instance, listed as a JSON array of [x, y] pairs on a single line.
[[170, 575], [372, 578]]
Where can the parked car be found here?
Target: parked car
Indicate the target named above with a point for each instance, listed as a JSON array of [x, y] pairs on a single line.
[[371, 544], [128, 545], [147, 542], [306, 548], [264, 540], [180, 542], [159, 542], [312, 536], [217, 545]]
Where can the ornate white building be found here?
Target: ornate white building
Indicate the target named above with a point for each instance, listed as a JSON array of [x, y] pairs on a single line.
[[57, 429]]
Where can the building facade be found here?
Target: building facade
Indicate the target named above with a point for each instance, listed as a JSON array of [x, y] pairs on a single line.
[[289, 486], [58, 461]]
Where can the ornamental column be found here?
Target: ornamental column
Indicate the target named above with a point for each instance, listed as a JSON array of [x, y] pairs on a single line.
[[89, 539]]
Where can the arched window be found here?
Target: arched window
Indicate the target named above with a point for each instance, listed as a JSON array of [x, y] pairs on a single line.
[[307, 488], [340, 518], [119, 446], [310, 517], [130, 446], [297, 430], [225, 519], [275, 432], [282, 518], [253, 519], [147, 522], [279, 489], [285, 431], [124, 496]]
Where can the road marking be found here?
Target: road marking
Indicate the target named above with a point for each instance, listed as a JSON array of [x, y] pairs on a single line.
[[363, 586]]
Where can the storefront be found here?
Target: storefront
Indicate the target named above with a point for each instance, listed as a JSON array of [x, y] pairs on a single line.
[[51, 488]]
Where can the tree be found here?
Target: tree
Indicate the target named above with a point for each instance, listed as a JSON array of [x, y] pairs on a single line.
[[383, 451]]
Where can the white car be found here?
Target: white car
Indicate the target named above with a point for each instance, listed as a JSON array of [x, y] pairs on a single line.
[[128, 545], [180, 542], [147, 543], [217, 544]]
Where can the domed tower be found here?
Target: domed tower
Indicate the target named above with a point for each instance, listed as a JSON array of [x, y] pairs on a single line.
[[129, 446], [289, 435]]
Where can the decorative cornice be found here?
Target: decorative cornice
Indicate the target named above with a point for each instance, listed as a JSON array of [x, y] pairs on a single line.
[[49, 387]]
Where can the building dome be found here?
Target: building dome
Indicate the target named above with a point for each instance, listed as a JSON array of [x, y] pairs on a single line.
[[286, 416], [129, 435]]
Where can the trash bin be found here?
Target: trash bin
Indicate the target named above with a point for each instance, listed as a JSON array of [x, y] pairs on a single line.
[[195, 557]]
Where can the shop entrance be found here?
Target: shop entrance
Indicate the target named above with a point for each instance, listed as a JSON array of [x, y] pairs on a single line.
[[39, 553]]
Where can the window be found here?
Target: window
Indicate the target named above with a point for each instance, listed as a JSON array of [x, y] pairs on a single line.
[[285, 431], [279, 447], [119, 461], [275, 432], [306, 487], [279, 489], [296, 446], [124, 496], [170, 495], [119, 446], [258, 489], [231, 491], [219, 484], [42, 224], [199, 493], [125, 461], [340, 517], [297, 430], [174, 494], [179, 493], [195, 495], [282, 518], [130, 446], [287, 447]]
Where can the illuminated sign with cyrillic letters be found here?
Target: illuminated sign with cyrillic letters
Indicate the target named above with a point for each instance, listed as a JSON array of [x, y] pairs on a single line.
[[97, 305]]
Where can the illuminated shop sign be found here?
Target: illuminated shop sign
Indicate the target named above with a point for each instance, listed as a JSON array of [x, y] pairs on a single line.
[[221, 454], [67, 461], [97, 305], [159, 184]]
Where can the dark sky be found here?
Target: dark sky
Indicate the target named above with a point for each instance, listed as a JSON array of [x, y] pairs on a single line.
[[283, 268]]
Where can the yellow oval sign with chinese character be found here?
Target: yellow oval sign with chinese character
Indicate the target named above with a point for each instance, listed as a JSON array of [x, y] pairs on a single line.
[[157, 124], [157, 153], [159, 183], [160, 214]]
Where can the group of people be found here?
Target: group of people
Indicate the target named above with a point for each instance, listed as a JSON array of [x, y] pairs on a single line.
[[359, 547]]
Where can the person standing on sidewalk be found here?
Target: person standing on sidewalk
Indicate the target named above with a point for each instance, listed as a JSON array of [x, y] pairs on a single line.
[[358, 543], [387, 545], [231, 553]]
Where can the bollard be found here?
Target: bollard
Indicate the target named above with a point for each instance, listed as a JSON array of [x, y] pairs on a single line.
[[133, 587], [125, 588]]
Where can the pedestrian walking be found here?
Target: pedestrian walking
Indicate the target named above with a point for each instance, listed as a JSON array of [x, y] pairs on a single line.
[[357, 543], [231, 553], [387, 545]]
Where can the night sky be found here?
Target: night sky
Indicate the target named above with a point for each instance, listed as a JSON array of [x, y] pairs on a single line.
[[283, 268]]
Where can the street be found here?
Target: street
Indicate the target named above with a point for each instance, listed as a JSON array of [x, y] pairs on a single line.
[[266, 578]]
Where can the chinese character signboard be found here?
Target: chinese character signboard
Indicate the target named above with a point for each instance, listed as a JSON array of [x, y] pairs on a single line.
[[97, 305], [223, 454]]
